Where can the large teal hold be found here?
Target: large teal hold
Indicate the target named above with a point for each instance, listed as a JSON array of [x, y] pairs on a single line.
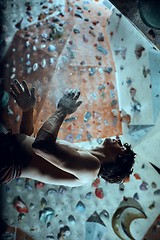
[[95, 229], [150, 12]]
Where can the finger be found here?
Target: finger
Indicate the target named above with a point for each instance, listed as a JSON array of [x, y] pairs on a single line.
[[77, 94], [14, 89], [65, 95], [33, 90], [78, 103], [70, 93], [26, 89], [13, 94], [18, 85], [73, 93]]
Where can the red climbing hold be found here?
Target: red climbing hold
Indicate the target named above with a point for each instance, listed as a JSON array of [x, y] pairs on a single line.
[[20, 205], [99, 193], [136, 175], [96, 182], [39, 184]]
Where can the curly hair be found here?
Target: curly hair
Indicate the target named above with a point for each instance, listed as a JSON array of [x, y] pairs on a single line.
[[121, 168]]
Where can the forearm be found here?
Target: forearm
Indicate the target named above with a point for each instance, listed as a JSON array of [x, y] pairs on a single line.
[[50, 128], [26, 126]]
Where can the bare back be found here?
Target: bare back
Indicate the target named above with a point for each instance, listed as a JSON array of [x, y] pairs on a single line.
[[78, 166]]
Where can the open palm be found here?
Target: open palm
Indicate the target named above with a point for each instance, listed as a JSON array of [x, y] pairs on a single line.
[[24, 97], [69, 102]]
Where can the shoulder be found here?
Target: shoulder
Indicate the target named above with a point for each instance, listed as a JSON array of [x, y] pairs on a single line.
[[83, 156]]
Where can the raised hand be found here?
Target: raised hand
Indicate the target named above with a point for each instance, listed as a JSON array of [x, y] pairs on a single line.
[[24, 97], [68, 102]]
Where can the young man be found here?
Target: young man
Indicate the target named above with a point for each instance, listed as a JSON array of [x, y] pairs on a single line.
[[53, 161]]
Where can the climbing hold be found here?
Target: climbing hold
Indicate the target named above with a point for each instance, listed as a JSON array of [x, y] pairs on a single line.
[[51, 60], [139, 50], [56, 31], [43, 46], [102, 49], [44, 36], [88, 195], [31, 205], [69, 138], [78, 14], [29, 70], [39, 184], [133, 92], [121, 187], [85, 39], [92, 71], [35, 67], [34, 48], [143, 186], [51, 48], [128, 210], [71, 219], [61, 223], [79, 136], [28, 63], [108, 69], [46, 215], [154, 185], [43, 203], [136, 196], [87, 116], [21, 217], [20, 205], [27, 184], [75, 30], [96, 182], [89, 136], [80, 207], [27, 44], [50, 237], [52, 191], [99, 140], [157, 192], [100, 37], [64, 233], [113, 102], [104, 214], [92, 33], [62, 190], [99, 193], [152, 205], [137, 177], [43, 63], [4, 99], [71, 119], [18, 25], [112, 93], [122, 51]]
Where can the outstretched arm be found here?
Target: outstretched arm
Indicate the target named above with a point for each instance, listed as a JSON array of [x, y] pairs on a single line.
[[80, 163], [26, 100], [48, 132]]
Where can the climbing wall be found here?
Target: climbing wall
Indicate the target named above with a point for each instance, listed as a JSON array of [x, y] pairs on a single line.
[[79, 57], [70, 50]]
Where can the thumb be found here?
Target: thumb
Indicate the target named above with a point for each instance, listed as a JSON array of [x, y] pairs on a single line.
[[78, 103]]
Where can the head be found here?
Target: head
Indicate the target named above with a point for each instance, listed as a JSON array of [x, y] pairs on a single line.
[[119, 163]]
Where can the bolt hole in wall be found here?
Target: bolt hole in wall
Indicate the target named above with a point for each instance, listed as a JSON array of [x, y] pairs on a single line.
[[59, 45]]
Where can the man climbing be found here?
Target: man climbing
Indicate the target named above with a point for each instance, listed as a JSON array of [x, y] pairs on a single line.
[[53, 161]]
